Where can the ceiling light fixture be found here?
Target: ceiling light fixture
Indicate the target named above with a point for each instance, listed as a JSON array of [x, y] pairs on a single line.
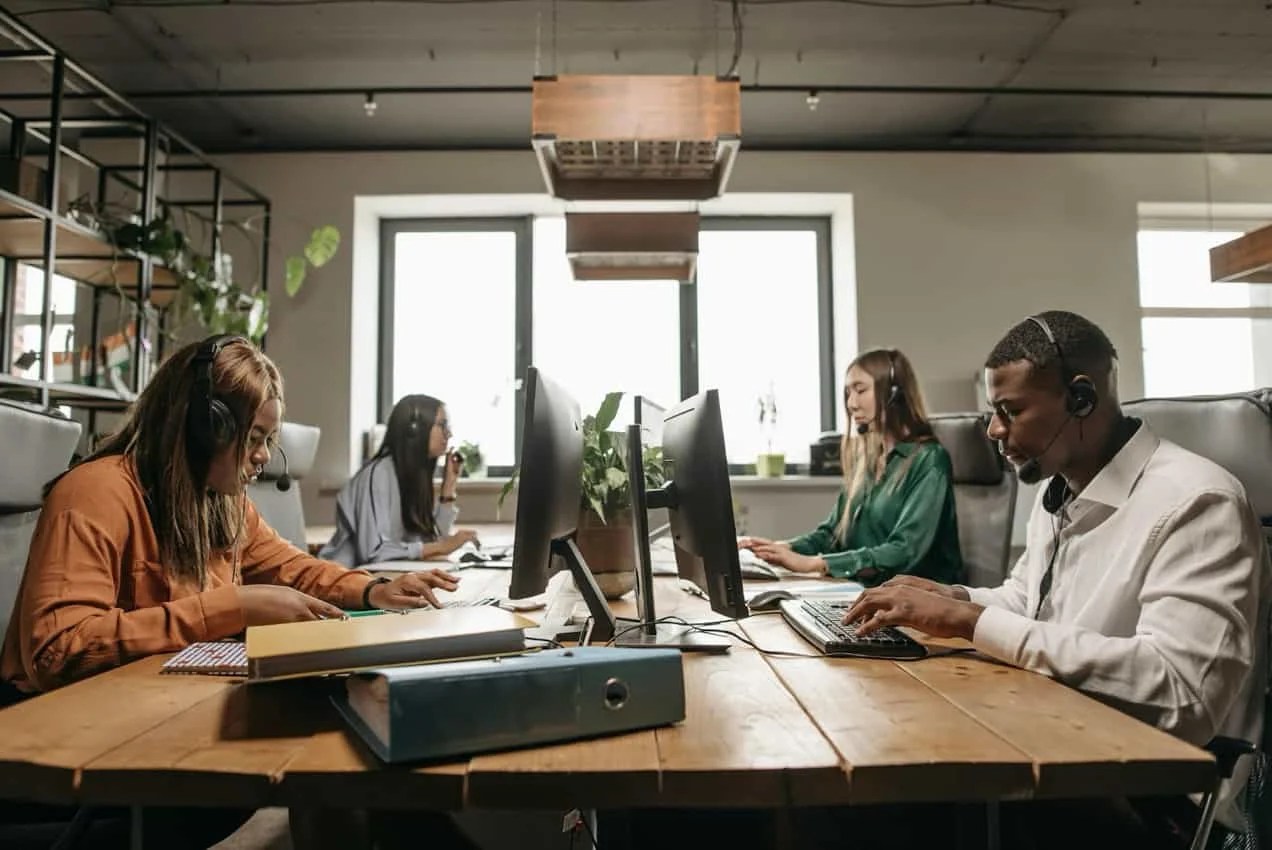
[[370, 106]]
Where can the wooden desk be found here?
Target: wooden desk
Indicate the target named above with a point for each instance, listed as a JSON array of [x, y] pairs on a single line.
[[760, 731]]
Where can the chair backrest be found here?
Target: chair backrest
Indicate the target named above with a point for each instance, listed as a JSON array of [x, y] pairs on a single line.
[[984, 496], [1234, 431], [41, 446], [283, 509]]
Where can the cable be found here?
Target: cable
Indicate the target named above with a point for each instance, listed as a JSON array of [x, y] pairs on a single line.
[[552, 644], [588, 827]]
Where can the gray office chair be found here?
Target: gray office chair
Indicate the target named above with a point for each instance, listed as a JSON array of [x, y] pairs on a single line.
[[1234, 431], [984, 496], [283, 509], [40, 447]]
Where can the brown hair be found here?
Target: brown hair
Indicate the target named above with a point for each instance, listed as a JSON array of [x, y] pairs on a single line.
[[191, 522], [903, 416]]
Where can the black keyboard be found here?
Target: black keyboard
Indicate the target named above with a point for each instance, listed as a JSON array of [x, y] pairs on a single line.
[[821, 623]]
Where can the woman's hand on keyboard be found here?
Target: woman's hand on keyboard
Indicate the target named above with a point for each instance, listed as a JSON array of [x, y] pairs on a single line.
[[413, 590], [906, 605], [752, 542], [781, 555]]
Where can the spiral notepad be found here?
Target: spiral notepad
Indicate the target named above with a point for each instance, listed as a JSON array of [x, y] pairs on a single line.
[[217, 658]]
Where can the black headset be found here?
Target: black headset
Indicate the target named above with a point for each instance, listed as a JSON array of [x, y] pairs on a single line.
[[1080, 396], [210, 424]]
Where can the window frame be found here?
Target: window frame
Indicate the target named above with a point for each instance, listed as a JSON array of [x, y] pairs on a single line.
[[520, 227], [523, 228]]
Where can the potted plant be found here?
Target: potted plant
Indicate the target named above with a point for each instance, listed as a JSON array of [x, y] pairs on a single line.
[[474, 460], [605, 530], [769, 464]]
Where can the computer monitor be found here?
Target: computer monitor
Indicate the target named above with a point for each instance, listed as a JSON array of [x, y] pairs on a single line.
[[700, 502], [548, 495]]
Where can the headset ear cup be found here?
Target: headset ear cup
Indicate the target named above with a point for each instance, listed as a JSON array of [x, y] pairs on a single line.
[[1082, 398], [221, 422]]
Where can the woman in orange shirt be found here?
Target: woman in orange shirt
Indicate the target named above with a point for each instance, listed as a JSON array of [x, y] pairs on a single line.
[[151, 544]]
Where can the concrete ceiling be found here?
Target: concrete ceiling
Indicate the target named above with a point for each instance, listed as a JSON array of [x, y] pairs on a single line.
[[890, 74]]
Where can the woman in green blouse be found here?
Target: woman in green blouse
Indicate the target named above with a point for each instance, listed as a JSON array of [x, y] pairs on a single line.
[[896, 512]]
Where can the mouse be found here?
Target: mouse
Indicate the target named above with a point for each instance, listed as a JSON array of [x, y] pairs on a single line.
[[471, 558], [769, 599]]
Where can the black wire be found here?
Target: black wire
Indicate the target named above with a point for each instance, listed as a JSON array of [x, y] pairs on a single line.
[[552, 644]]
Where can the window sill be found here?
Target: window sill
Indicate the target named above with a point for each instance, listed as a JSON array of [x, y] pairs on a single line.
[[737, 482]]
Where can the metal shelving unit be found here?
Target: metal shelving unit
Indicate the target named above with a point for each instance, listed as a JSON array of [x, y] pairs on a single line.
[[62, 114]]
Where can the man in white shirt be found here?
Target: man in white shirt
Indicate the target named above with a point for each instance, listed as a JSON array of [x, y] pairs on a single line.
[[1143, 580]]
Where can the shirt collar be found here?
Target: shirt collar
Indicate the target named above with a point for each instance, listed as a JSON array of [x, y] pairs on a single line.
[[1113, 484], [904, 449]]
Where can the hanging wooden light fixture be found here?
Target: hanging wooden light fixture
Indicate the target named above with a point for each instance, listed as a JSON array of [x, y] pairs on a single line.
[[1246, 259], [632, 246], [636, 137]]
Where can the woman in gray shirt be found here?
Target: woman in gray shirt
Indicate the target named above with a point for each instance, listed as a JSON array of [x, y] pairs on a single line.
[[388, 511]]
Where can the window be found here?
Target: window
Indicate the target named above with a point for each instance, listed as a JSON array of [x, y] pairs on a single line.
[[760, 283], [598, 336], [448, 324], [28, 306], [468, 304], [1184, 312]]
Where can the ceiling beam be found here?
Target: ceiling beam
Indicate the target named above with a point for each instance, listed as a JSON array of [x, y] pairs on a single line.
[[761, 88]]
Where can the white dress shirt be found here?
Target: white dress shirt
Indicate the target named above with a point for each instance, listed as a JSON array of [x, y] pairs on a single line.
[[1159, 595]]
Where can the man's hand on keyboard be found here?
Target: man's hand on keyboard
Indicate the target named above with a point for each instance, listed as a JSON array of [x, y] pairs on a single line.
[[907, 605], [781, 555], [949, 591]]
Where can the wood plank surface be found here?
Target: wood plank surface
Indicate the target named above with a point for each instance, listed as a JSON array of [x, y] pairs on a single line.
[[46, 740], [745, 740], [1080, 747], [228, 750]]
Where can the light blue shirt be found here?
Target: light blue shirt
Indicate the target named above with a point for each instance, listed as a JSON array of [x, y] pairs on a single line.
[[369, 520]]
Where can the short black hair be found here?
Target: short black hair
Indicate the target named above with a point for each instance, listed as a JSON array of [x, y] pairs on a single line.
[[1087, 349]]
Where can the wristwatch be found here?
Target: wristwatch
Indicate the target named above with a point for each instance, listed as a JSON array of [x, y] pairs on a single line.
[[446, 498], [366, 591]]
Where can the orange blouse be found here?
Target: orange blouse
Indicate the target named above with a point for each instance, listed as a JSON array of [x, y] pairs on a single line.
[[95, 595]]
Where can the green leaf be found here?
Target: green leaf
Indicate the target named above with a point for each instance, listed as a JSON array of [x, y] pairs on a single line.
[[615, 478], [598, 508], [608, 410], [295, 275], [322, 246]]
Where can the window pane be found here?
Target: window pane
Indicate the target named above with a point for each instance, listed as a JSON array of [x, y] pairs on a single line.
[[1174, 271], [757, 328], [1173, 367], [595, 337], [454, 303], [28, 304]]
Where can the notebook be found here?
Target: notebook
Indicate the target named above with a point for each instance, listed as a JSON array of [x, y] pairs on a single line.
[[217, 658], [321, 647]]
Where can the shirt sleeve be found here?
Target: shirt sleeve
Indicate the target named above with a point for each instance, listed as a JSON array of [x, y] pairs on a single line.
[[70, 620], [269, 559], [822, 538], [377, 506], [926, 487], [1193, 642], [444, 517]]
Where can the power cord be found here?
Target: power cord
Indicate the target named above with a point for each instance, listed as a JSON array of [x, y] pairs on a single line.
[[551, 644]]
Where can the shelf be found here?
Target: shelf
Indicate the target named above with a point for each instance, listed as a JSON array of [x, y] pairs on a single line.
[[73, 395], [82, 253]]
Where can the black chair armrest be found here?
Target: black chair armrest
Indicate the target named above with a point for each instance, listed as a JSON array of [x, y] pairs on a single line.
[[1226, 752]]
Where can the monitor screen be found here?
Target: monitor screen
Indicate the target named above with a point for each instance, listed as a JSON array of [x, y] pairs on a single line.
[[549, 488]]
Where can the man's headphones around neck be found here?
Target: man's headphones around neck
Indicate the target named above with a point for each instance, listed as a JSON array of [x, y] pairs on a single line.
[[210, 424], [1080, 396]]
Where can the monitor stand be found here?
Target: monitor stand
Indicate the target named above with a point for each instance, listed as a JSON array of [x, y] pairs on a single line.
[[601, 624], [646, 631]]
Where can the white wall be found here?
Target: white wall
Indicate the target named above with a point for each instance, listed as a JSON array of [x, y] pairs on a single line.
[[951, 249]]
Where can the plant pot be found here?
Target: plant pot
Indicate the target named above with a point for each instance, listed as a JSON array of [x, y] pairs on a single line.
[[610, 553], [770, 465]]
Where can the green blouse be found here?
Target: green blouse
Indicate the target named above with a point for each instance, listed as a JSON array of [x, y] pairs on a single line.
[[907, 528]]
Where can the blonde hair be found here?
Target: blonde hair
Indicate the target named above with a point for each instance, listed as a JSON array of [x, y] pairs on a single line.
[[899, 409], [191, 522]]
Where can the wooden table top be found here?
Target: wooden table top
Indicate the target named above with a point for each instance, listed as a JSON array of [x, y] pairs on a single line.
[[762, 731]]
